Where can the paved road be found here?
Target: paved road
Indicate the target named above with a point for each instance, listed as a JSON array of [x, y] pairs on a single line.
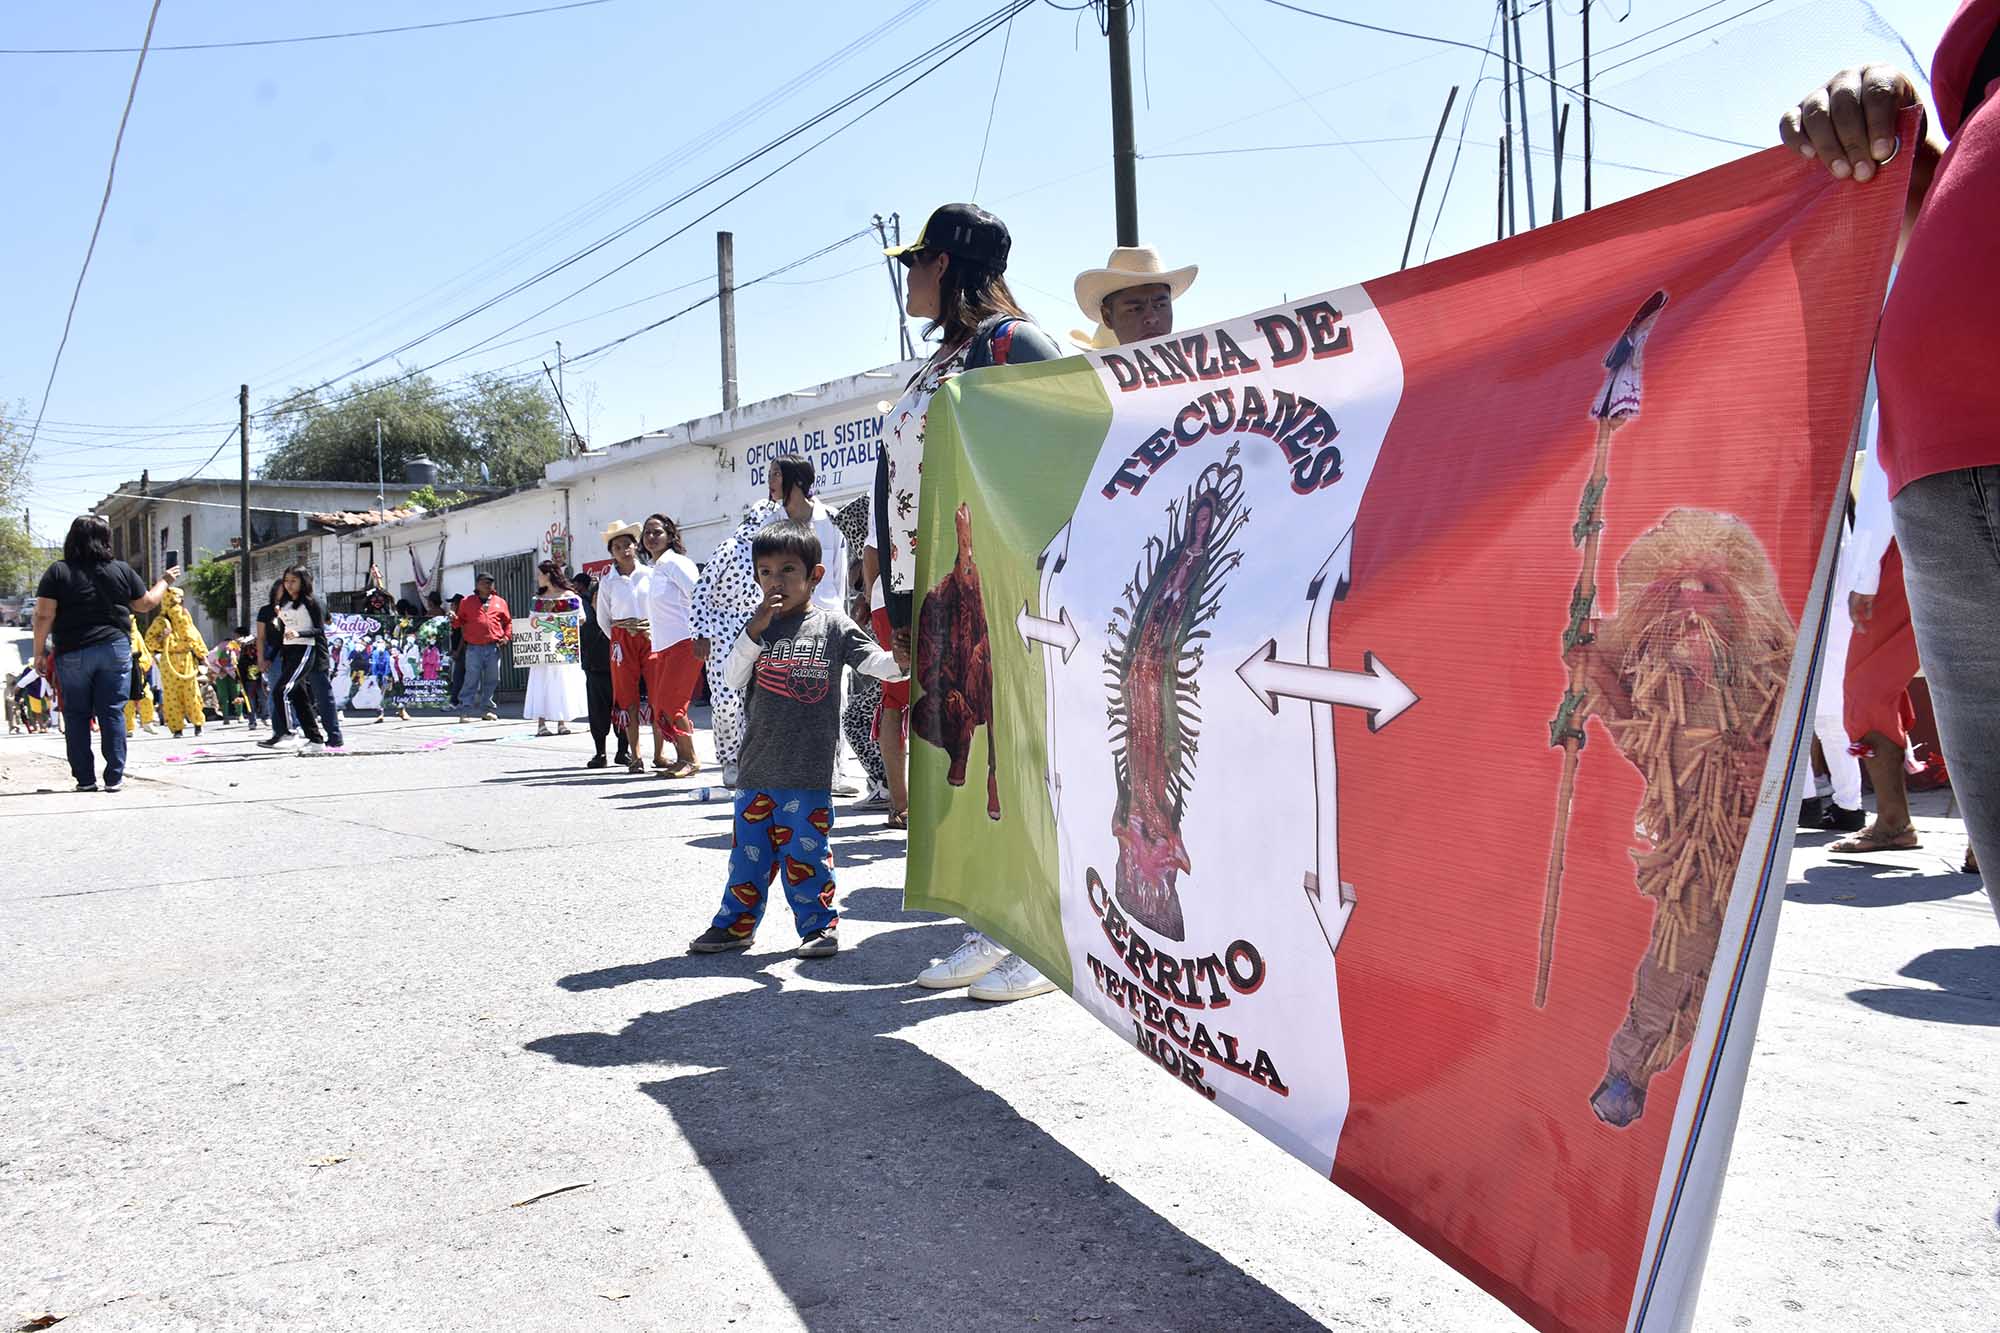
[[291, 1043]]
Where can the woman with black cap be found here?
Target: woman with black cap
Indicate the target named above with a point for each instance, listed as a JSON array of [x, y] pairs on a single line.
[[957, 281]]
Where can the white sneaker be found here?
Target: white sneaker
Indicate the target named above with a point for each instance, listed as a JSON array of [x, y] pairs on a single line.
[[1013, 978], [845, 787], [729, 775], [967, 964], [312, 747]]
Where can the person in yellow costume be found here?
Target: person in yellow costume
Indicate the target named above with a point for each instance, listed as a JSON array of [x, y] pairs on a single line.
[[181, 651], [139, 696]]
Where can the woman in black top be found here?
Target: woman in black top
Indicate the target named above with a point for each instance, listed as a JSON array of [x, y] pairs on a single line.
[[302, 654], [83, 610]]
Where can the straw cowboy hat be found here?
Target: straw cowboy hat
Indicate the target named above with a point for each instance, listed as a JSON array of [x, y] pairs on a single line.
[[1129, 266], [617, 530]]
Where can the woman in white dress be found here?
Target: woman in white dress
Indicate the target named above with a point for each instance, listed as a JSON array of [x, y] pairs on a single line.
[[556, 692]]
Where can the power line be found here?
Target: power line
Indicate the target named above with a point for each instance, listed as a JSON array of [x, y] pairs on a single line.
[[288, 41], [1595, 99], [992, 107], [103, 205], [800, 262], [539, 239], [1684, 37], [1464, 121], [966, 38]]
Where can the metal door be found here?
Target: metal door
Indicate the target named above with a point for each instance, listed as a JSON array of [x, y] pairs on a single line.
[[513, 579]]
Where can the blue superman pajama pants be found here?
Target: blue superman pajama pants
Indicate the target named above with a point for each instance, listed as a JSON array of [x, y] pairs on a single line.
[[781, 838]]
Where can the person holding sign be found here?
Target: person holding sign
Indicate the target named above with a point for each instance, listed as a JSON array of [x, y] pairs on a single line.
[[622, 593], [556, 690], [672, 667]]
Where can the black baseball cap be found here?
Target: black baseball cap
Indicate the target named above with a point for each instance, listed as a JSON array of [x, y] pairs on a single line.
[[965, 230]]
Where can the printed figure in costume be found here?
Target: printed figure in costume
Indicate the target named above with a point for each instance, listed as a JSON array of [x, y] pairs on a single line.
[[179, 651], [621, 608], [225, 669], [725, 597], [789, 658], [138, 698], [556, 690], [1688, 678]]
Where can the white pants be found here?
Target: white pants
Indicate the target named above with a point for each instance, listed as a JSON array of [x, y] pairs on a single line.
[[1828, 725]]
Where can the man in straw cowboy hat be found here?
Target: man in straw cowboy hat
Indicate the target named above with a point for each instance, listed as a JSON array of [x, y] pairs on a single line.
[[620, 608], [1132, 297]]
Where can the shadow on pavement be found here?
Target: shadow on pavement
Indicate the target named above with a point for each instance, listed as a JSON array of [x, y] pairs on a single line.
[[1877, 884], [1968, 988], [881, 1187]]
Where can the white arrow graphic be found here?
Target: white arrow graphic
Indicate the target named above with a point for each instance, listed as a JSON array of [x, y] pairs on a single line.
[[1059, 633], [1376, 688]]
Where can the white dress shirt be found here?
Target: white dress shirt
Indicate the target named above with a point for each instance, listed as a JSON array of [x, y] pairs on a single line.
[[670, 599], [622, 596]]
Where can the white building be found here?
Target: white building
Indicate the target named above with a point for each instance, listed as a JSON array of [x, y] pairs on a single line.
[[197, 517], [705, 474]]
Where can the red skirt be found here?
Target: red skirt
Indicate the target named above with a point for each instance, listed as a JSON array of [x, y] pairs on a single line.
[[1881, 660], [670, 676], [629, 653]]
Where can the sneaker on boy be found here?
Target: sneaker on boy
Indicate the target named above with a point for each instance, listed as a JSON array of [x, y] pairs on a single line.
[[788, 663]]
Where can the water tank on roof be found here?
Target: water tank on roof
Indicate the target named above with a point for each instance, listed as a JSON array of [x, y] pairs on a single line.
[[420, 472]]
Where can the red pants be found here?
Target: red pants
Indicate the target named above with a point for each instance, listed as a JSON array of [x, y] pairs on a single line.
[[629, 654], [895, 694], [670, 677], [1881, 661]]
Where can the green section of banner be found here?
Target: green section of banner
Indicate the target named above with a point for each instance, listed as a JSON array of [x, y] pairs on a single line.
[[1038, 430]]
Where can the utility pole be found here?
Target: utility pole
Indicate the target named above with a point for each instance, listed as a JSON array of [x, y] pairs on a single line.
[[243, 496], [381, 490], [1586, 105], [1562, 131], [725, 277], [1521, 95], [1500, 204], [1549, 14], [903, 343], [1124, 156], [561, 400], [1507, 105], [1424, 184]]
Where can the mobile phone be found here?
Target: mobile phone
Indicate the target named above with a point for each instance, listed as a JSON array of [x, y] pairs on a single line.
[[173, 559]]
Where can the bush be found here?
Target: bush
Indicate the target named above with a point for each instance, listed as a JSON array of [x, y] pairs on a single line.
[[212, 582]]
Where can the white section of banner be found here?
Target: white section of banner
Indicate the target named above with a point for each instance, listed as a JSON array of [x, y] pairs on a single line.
[[1186, 662]]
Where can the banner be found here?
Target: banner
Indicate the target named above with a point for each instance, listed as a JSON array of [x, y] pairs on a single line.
[[1381, 709], [550, 638], [389, 662]]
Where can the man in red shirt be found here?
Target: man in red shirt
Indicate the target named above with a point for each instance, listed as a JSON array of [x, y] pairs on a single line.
[[1940, 441], [485, 623]]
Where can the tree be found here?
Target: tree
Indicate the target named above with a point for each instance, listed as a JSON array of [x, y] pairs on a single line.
[[515, 429], [213, 583], [508, 430], [21, 561]]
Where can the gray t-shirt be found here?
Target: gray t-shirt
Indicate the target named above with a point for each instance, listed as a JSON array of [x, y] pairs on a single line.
[[792, 680]]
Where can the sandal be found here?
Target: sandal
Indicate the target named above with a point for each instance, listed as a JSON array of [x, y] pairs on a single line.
[[1871, 840], [635, 766], [898, 819], [1970, 866], [685, 768]]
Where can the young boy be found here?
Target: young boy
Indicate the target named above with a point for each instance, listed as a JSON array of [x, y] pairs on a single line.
[[788, 665]]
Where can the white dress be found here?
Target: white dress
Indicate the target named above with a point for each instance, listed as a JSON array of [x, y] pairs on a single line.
[[556, 693]]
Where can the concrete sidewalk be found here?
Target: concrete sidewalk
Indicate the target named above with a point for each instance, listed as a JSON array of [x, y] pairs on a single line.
[[406, 1040]]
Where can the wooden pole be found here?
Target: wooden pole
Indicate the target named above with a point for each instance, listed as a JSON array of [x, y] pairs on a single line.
[[1507, 112], [1562, 131], [244, 612], [1500, 201], [1521, 95], [725, 278], [1586, 105]]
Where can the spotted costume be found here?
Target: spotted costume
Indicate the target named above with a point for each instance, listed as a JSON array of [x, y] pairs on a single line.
[[725, 597]]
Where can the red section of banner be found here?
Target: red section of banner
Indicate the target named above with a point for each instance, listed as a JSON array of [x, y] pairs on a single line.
[[1472, 1124]]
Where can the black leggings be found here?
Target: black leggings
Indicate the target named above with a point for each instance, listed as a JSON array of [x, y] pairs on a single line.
[[293, 695], [597, 686]]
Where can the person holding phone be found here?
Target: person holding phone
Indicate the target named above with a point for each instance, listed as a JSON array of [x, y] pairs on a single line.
[[83, 636]]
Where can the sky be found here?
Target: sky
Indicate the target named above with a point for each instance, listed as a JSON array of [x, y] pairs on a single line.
[[284, 214]]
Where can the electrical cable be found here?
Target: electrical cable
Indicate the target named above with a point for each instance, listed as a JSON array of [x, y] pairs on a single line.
[[289, 41], [103, 206], [1684, 37], [1464, 122], [992, 108], [1595, 100], [966, 38]]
